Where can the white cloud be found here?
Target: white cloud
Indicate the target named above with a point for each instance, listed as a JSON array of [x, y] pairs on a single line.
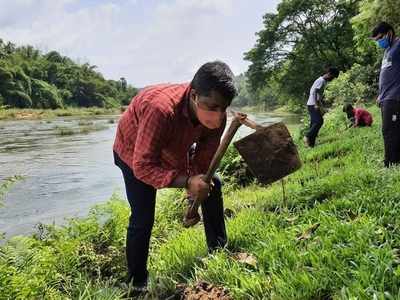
[[144, 41]]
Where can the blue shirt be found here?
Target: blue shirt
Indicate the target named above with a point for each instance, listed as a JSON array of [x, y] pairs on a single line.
[[389, 79]]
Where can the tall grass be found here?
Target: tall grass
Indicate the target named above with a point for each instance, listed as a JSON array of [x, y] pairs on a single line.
[[342, 191]]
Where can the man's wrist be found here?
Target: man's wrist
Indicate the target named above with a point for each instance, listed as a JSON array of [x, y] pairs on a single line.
[[179, 182]]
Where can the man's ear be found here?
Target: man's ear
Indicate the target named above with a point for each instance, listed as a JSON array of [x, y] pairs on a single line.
[[193, 94], [391, 36]]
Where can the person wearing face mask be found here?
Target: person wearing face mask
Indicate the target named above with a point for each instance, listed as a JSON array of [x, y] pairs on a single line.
[[315, 105], [389, 91], [152, 144]]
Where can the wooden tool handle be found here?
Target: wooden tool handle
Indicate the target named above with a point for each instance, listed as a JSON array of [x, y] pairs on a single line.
[[192, 215], [235, 124]]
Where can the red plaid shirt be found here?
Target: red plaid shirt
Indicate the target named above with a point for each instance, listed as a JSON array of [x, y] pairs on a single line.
[[361, 115], [155, 133]]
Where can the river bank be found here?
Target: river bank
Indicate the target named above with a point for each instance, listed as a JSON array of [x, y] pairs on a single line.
[[67, 165], [45, 114], [336, 237]]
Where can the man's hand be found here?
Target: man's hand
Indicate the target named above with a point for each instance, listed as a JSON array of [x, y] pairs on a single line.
[[320, 109], [197, 187], [378, 103]]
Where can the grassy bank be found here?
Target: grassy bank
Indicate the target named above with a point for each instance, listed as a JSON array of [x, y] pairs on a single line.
[[35, 114], [337, 237]]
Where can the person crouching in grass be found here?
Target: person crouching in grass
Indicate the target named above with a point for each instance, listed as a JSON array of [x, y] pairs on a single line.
[[358, 117]]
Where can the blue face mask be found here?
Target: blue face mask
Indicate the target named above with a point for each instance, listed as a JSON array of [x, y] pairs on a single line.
[[384, 43]]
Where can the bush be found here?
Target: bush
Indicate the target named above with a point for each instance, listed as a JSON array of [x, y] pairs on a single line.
[[234, 170], [45, 95], [15, 98], [358, 84]]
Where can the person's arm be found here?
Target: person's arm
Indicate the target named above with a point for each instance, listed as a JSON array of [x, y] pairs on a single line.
[[318, 98], [351, 124], [153, 132], [195, 185], [357, 117], [180, 181], [319, 94]]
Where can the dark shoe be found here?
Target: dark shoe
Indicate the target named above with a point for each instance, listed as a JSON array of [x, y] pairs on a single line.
[[133, 291]]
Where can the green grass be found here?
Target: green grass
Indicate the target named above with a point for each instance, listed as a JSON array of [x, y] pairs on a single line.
[[91, 128], [342, 186], [34, 114], [84, 128], [63, 130]]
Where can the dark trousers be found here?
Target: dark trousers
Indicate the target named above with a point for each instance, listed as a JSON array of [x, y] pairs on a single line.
[[142, 197], [391, 131], [316, 122]]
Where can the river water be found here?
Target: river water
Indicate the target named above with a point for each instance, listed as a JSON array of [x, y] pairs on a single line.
[[64, 175]]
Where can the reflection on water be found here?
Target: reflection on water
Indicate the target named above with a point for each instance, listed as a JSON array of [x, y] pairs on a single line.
[[64, 174]]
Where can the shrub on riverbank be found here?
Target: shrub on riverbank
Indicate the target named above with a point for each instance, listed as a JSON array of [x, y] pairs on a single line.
[[336, 237], [34, 114], [83, 129]]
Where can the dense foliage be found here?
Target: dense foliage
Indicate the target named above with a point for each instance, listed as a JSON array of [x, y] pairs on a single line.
[[304, 37], [31, 79]]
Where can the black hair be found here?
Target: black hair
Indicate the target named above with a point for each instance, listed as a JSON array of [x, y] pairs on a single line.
[[333, 71], [348, 109], [215, 76], [382, 28]]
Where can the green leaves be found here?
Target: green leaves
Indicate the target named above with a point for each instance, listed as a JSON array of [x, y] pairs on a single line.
[[297, 43], [29, 79], [45, 95], [356, 85], [337, 238]]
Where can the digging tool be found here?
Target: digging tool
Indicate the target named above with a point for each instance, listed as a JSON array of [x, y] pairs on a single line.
[[269, 153], [192, 215]]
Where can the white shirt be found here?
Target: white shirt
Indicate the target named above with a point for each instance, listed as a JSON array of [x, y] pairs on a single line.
[[317, 88]]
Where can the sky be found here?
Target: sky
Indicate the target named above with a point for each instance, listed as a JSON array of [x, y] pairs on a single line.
[[145, 41]]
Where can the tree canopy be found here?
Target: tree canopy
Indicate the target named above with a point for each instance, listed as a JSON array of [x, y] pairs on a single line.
[[31, 79], [304, 37]]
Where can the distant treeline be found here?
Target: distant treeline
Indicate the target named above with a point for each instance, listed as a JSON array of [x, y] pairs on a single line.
[[302, 38], [32, 79]]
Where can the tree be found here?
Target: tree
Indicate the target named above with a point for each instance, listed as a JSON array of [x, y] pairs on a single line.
[[371, 13], [298, 42], [45, 95], [29, 78], [123, 84]]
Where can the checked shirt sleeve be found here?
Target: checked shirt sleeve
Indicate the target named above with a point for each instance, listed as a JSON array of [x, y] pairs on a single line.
[[153, 134]]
